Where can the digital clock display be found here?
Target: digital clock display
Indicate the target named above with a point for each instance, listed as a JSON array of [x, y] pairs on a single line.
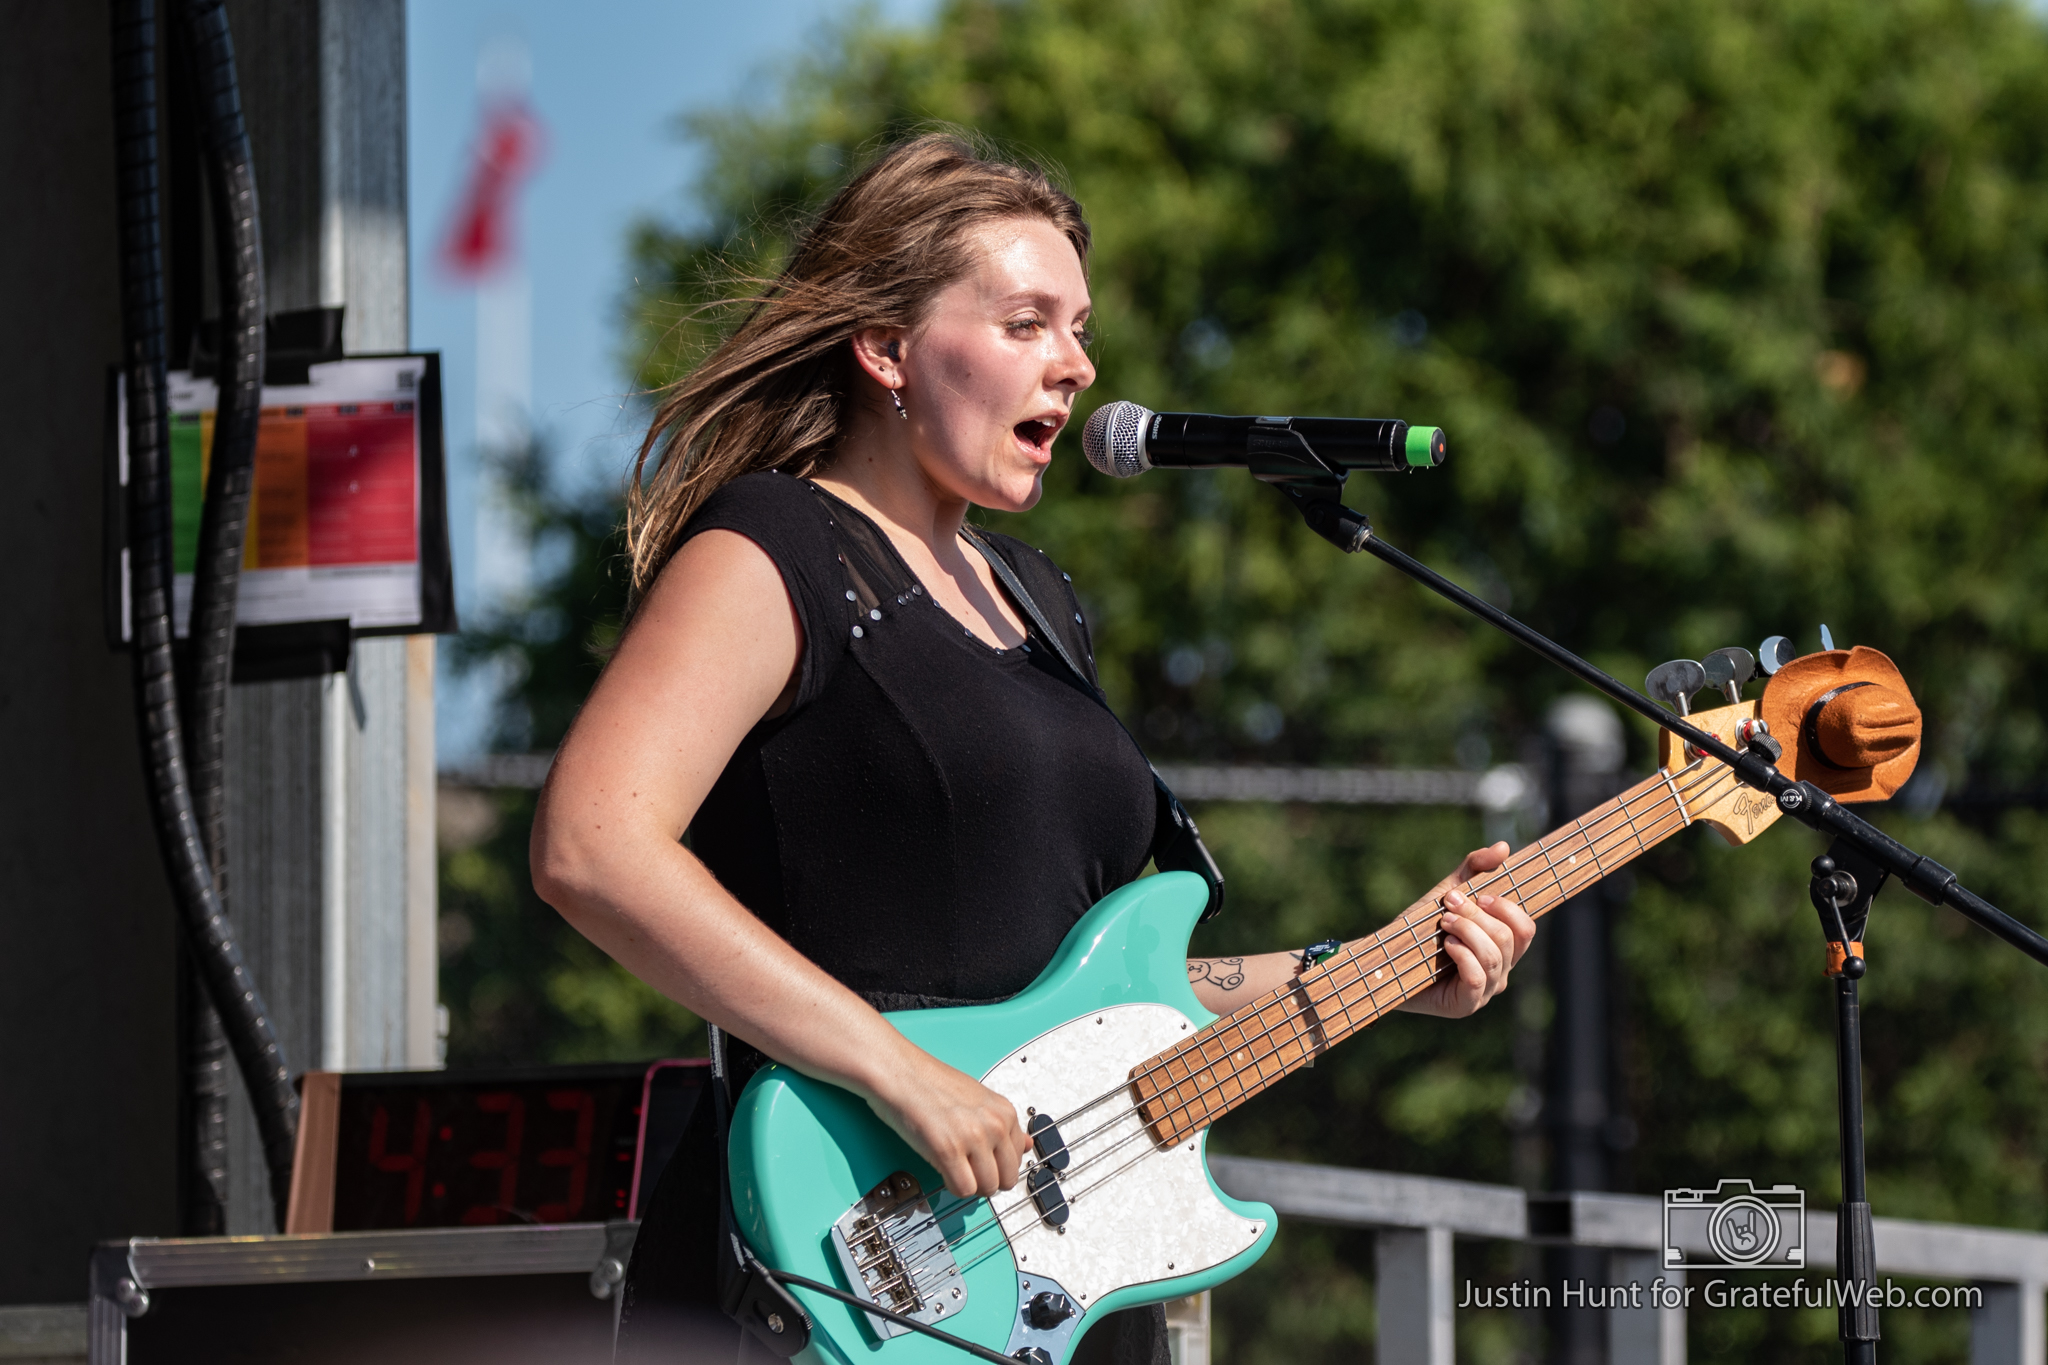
[[552, 1145]]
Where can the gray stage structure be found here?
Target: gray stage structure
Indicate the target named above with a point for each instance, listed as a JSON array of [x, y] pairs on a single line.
[[331, 780]]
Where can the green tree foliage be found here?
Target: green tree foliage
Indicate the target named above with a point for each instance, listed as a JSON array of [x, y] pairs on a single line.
[[521, 985], [1737, 317]]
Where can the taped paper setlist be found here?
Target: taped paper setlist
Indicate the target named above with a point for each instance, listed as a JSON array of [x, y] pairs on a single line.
[[334, 526]]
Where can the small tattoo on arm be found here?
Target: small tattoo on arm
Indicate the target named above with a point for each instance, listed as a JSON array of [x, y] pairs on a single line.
[[1224, 973]]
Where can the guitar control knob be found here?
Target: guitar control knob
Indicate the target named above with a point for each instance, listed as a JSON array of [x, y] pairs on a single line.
[[1032, 1355], [1048, 1310]]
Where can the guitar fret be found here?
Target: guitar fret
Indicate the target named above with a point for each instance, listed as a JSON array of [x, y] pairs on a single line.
[[1532, 862], [1543, 850], [1579, 850], [1587, 843], [1369, 972], [1337, 995], [1581, 879], [1676, 799], [1618, 830], [1629, 816], [1614, 839], [1258, 1063]]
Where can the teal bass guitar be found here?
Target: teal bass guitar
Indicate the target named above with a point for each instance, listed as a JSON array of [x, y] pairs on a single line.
[[1117, 1071]]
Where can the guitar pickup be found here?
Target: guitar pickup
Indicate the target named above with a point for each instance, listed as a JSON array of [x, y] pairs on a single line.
[[1045, 1191], [1051, 1147]]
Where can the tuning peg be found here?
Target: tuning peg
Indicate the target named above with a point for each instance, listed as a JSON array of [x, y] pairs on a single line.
[[1728, 669], [1675, 682], [1774, 653]]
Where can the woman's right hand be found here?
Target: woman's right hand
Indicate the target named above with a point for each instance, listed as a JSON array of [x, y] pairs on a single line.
[[968, 1132]]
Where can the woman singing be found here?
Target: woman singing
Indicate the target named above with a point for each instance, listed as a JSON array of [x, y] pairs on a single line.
[[897, 795]]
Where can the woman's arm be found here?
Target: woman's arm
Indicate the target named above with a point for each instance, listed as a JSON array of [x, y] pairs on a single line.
[[1485, 936], [713, 649]]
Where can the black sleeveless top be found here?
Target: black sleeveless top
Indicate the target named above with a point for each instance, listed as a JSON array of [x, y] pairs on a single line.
[[926, 823], [932, 815]]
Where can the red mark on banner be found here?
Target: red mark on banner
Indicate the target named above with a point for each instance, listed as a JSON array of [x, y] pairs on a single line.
[[479, 241], [362, 482]]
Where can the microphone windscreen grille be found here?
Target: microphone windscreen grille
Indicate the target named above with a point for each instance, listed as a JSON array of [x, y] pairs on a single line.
[[1114, 439]]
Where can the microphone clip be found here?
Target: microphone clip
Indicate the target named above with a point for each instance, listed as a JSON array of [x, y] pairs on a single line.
[[1326, 514], [1277, 454], [1284, 458]]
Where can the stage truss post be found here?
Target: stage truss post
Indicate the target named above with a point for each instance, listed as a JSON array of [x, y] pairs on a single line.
[[1652, 1334], [1412, 1297], [2009, 1327]]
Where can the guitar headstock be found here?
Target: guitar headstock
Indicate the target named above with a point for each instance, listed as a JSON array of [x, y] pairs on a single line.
[[1707, 786]]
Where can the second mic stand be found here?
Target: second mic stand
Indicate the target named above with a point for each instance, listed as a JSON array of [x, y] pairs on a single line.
[[1844, 885], [1845, 881]]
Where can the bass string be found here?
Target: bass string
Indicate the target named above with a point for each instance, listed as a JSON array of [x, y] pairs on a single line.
[[1210, 1089], [1601, 841], [1658, 827], [1410, 956]]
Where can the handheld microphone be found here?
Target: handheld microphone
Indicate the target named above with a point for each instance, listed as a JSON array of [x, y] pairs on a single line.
[[1123, 439]]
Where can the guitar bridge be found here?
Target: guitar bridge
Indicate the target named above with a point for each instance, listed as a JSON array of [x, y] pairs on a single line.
[[895, 1256]]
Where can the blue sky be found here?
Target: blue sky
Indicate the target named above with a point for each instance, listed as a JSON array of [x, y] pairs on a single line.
[[609, 78]]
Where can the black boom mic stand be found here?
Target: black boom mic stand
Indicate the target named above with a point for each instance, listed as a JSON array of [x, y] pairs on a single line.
[[1845, 879]]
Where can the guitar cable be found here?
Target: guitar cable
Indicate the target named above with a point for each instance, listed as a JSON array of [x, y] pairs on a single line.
[[962, 1343]]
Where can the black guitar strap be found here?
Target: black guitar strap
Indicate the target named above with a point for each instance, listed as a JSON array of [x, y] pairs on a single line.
[[748, 1291], [1176, 845]]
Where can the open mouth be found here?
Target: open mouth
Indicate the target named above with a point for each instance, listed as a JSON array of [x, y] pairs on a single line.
[[1037, 434]]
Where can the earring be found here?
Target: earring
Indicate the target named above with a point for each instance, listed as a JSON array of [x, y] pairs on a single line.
[[901, 411]]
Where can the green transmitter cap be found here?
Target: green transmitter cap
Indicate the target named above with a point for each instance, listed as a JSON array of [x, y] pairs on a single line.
[[1425, 447]]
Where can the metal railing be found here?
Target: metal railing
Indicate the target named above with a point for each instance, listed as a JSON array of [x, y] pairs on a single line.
[[1506, 787], [1415, 1219]]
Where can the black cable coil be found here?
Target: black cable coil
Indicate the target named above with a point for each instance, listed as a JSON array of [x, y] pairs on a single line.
[[180, 833]]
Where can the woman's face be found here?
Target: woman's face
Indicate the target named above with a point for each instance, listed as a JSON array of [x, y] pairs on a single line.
[[989, 379]]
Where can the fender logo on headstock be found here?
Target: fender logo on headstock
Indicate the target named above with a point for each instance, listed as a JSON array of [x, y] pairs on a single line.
[[1750, 807]]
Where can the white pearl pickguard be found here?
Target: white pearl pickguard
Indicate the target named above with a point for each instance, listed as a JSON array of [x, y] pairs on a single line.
[[1137, 1214]]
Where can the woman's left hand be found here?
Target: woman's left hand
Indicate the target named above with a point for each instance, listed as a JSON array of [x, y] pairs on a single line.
[[1484, 936]]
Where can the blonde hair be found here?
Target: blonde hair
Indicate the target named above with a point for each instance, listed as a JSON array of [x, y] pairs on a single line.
[[776, 394]]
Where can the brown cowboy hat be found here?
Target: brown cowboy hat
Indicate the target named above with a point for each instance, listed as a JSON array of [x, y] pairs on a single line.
[[1847, 721]]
